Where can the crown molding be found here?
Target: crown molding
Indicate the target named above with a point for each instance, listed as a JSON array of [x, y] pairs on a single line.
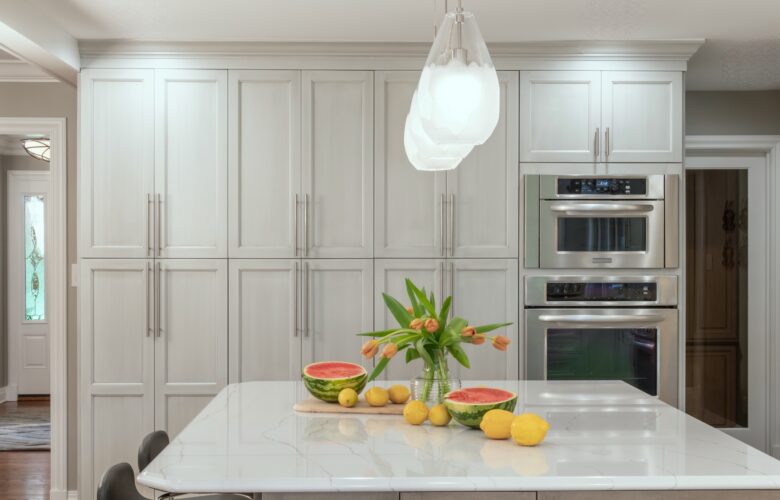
[[16, 71]]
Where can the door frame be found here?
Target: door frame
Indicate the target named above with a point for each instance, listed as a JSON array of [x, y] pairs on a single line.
[[55, 129], [766, 148], [13, 347]]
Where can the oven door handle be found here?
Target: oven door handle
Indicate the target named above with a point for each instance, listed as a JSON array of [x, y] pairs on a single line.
[[602, 208], [618, 319]]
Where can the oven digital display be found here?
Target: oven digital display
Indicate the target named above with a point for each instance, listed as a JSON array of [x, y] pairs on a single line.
[[608, 186], [597, 292]]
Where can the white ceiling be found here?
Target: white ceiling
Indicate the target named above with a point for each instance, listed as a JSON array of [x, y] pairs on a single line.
[[412, 20]]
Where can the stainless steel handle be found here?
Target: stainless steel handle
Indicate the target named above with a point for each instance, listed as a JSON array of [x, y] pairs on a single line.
[[597, 140], [158, 313], [594, 319], [148, 301], [295, 229], [441, 226], [602, 209], [306, 301], [452, 287], [159, 225], [306, 225], [149, 203], [295, 298], [606, 142], [451, 221], [441, 282]]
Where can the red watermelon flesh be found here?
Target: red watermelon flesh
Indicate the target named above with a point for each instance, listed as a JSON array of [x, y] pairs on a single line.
[[479, 395], [333, 370], [326, 379]]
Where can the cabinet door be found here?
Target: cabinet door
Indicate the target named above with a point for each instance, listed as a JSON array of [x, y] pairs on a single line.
[[389, 277], [264, 303], [264, 162], [486, 291], [116, 162], [409, 203], [337, 305], [116, 364], [484, 189], [191, 162], [191, 352], [643, 116], [338, 169], [560, 116]]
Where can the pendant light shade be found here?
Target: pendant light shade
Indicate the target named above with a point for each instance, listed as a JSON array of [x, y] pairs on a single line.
[[423, 153], [38, 148]]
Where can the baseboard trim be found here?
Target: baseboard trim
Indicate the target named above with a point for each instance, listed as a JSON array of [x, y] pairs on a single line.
[[63, 495], [2, 394], [10, 393]]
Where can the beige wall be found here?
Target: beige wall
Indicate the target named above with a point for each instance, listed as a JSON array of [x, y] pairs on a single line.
[[55, 100], [732, 113]]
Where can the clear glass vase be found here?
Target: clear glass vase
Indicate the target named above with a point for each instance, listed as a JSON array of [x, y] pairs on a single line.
[[435, 381]]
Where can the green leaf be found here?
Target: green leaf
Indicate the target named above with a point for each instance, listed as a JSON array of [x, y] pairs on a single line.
[[459, 354], [424, 354], [398, 311], [490, 327], [378, 368], [445, 309], [458, 324], [411, 355], [426, 303], [410, 290], [433, 302], [380, 333]]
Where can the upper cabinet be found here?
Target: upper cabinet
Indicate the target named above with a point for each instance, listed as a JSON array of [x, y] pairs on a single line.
[[116, 165], [594, 116]]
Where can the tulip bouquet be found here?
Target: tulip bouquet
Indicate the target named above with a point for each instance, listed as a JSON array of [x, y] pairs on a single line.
[[430, 335]]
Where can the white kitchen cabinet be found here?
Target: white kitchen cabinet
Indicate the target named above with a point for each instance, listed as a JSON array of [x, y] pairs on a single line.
[[264, 172], [265, 337], [116, 162], [116, 353], [483, 190], [486, 291], [337, 304], [410, 204], [338, 163], [191, 163], [642, 116], [560, 116], [191, 346], [389, 277]]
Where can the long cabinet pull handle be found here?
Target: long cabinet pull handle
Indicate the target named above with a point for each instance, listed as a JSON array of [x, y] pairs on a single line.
[[452, 285], [158, 309], [597, 149], [441, 226], [306, 225], [441, 282], [306, 301], [159, 225], [149, 300], [149, 224], [606, 142], [295, 228], [295, 298], [451, 221]]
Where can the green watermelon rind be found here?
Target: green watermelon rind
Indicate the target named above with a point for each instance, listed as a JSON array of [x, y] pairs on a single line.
[[470, 414], [328, 389]]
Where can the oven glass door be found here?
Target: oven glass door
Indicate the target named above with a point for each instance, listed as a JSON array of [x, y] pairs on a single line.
[[601, 234]]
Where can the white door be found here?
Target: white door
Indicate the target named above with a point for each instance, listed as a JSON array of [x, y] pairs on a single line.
[[390, 277], [264, 162], [338, 302], [642, 116], [192, 336], [116, 363], [191, 163], [265, 336], [338, 163], [483, 292], [116, 162], [560, 116], [410, 204], [28, 321], [483, 190]]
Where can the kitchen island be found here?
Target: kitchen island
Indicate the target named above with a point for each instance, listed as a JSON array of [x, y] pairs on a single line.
[[607, 440]]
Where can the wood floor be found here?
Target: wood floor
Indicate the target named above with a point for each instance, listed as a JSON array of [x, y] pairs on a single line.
[[24, 475]]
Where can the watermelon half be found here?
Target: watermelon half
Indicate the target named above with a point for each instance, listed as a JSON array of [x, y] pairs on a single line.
[[468, 406], [326, 379]]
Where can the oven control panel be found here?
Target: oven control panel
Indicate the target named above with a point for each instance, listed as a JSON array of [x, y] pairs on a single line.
[[607, 186], [560, 291]]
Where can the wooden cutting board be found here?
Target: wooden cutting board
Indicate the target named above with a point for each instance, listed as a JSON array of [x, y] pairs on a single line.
[[316, 406]]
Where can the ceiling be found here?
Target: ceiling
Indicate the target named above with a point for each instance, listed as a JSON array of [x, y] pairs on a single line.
[[746, 31]]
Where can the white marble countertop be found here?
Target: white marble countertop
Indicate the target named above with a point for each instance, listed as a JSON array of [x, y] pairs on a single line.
[[604, 435]]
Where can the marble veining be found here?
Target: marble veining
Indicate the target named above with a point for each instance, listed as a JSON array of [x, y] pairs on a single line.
[[604, 435]]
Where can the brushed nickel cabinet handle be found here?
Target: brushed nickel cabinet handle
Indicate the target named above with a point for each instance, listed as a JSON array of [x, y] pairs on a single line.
[[159, 225], [606, 142], [295, 298], [295, 229], [597, 140], [149, 224], [306, 301], [441, 282], [442, 238], [149, 302], [306, 225], [158, 309], [451, 221]]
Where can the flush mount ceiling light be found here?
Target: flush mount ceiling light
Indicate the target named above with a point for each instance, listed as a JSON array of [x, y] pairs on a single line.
[[40, 149], [456, 105]]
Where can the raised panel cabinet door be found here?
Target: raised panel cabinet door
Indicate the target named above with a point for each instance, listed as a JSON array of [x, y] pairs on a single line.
[[486, 291], [483, 190], [409, 213], [337, 305], [264, 162], [338, 163], [264, 302], [560, 116], [191, 355], [191, 163], [390, 277], [116, 368], [116, 162], [642, 116]]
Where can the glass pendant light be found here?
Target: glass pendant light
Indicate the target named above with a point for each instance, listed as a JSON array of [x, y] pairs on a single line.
[[423, 153], [40, 149]]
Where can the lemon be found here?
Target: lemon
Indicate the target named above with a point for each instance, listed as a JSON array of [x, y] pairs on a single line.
[[529, 429], [497, 424], [439, 415], [348, 397], [415, 412], [377, 396], [398, 393]]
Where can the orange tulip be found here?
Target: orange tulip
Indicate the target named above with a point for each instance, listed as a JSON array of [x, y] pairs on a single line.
[[468, 331], [500, 342], [478, 339], [389, 351], [416, 324], [431, 325], [369, 349]]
